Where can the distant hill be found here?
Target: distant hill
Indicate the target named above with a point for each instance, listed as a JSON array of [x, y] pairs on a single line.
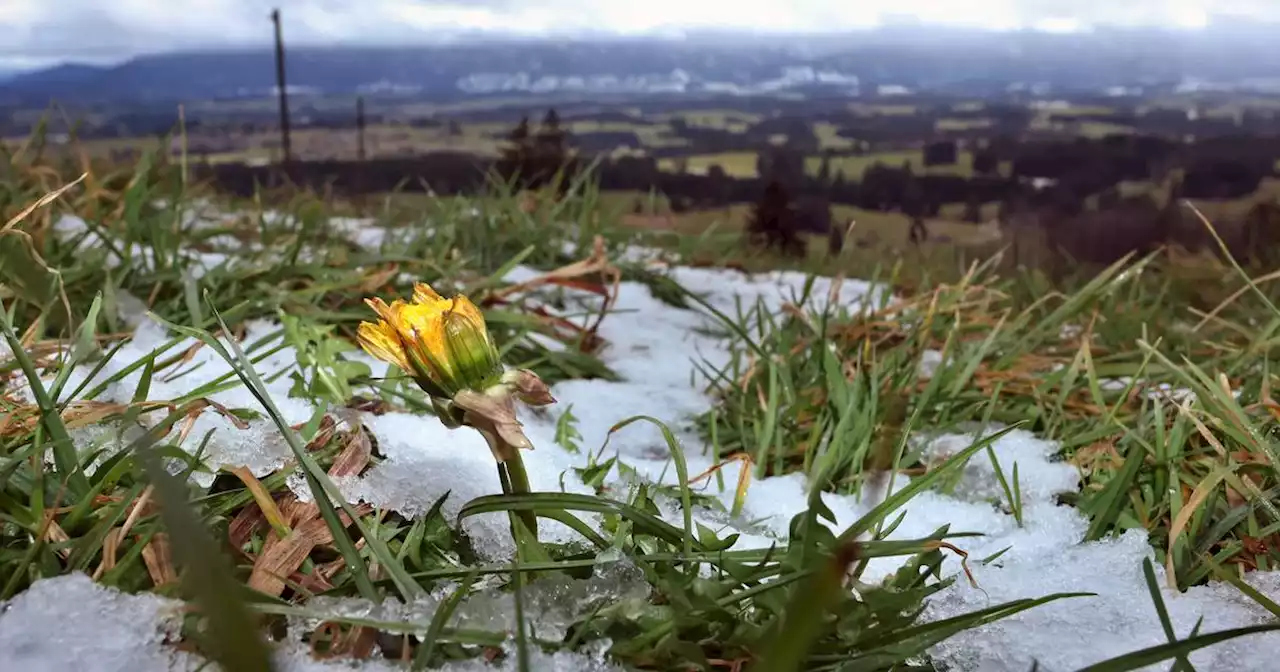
[[967, 63], [55, 80]]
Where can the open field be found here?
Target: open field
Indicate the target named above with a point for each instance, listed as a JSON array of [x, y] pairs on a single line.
[[409, 129], [381, 140], [829, 137], [1217, 210], [1086, 129], [872, 109], [743, 164], [730, 120], [957, 465], [854, 166], [735, 164], [949, 124]]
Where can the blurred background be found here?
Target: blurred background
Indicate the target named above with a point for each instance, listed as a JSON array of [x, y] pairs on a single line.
[[928, 122]]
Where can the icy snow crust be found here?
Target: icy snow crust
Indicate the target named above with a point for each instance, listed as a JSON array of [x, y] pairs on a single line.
[[60, 624]]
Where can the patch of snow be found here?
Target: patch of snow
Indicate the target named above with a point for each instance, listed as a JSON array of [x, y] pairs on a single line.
[[1154, 391], [1073, 633], [559, 601], [68, 226], [106, 439], [72, 623], [646, 256], [930, 362], [425, 460], [560, 661], [1040, 477], [132, 310], [521, 273], [556, 601], [546, 342], [260, 446], [362, 231]]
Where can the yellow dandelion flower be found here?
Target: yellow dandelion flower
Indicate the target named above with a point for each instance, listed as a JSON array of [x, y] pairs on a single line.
[[382, 341], [422, 293], [443, 343]]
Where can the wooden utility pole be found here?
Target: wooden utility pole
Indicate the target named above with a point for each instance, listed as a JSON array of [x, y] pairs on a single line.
[[360, 128], [280, 89], [360, 153]]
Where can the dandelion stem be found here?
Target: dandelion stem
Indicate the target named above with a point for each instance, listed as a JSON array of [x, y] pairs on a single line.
[[515, 480]]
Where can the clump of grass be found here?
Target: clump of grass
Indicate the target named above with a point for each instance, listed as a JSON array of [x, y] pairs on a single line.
[[1164, 404]]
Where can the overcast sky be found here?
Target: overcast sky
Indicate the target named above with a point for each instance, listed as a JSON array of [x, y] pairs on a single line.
[[41, 32]]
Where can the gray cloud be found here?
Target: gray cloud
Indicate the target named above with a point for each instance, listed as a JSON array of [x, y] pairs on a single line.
[[36, 31]]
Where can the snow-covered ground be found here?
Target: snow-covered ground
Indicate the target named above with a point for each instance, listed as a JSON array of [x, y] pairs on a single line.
[[60, 624]]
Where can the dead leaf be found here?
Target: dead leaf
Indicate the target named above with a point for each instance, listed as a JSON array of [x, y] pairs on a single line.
[[355, 455], [247, 523], [374, 280], [159, 560], [282, 557], [260, 496]]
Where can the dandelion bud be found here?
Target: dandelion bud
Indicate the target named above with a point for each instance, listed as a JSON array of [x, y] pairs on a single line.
[[528, 387]]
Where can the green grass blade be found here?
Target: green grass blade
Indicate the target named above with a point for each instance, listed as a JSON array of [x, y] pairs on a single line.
[[1158, 654]]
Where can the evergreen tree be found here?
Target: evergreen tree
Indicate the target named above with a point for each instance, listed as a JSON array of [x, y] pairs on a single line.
[[551, 150], [824, 171], [516, 154], [783, 166], [772, 222], [719, 186], [551, 138]]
